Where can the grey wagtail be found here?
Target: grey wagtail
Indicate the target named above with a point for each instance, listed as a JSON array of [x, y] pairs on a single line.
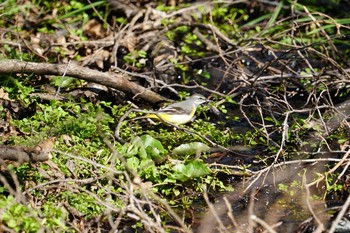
[[179, 113]]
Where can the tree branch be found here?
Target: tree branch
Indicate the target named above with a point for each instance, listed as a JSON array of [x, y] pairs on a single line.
[[109, 79]]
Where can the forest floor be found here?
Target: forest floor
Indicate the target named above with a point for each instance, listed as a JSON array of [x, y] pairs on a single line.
[[268, 152]]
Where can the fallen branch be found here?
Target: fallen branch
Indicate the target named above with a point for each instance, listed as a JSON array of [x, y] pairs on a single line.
[[21, 154], [113, 80]]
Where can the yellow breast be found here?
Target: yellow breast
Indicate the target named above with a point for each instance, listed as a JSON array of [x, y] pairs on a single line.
[[176, 119]]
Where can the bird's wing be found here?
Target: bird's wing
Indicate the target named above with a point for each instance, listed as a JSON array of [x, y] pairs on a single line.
[[173, 110]]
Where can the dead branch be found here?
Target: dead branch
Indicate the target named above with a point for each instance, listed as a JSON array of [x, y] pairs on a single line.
[[117, 81], [21, 154]]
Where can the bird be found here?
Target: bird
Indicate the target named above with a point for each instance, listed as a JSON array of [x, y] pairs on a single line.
[[178, 113]]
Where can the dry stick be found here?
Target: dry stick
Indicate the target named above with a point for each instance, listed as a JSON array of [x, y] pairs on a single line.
[[80, 181], [340, 215], [230, 215], [262, 223], [100, 16], [303, 161], [152, 210], [320, 225], [323, 32], [120, 122], [210, 225], [215, 32], [94, 163], [345, 72], [285, 64], [259, 109], [105, 203], [340, 163], [219, 50], [148, 79], [97, 43], [241, 170], [345, 169], [284, 138], [114, 52], [118, 220], [170, 210], [22, 154], [32, 50], [127, 30], [112, 80], [209, 46], [285, 127], [325, 74], [274, 166], [137, 209], [195, 86], [6, 185], [251, 223]]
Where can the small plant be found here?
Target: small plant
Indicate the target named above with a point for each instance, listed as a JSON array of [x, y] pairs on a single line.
[[136, 58], [19, 217]]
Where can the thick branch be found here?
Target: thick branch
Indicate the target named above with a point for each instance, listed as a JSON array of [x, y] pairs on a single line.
[[27, 154], [22, 154], [117, 81]]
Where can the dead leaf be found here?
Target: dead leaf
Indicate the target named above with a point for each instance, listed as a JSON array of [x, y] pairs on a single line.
[[61, 40], [94, 29], [4, 95], [54, 171], [129, 41], [46, 146], [67, 139], [71, 167]]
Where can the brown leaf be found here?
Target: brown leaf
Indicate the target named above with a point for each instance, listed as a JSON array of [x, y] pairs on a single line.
[[46, 146], [67, 139], [55, 171], [4, 95], [94, 29], [129, 41]]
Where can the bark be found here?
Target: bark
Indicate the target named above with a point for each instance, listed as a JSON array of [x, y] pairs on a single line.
[[22, 154], [113, 80]]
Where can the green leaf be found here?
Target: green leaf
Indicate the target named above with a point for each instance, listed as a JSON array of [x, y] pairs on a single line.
[[190, 169], [62, 81], [176, 192], [275, 14], [148, 169], [145, 147], [133, 163], [12, 223], [132, 148], [191, 148], [153, 147]]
